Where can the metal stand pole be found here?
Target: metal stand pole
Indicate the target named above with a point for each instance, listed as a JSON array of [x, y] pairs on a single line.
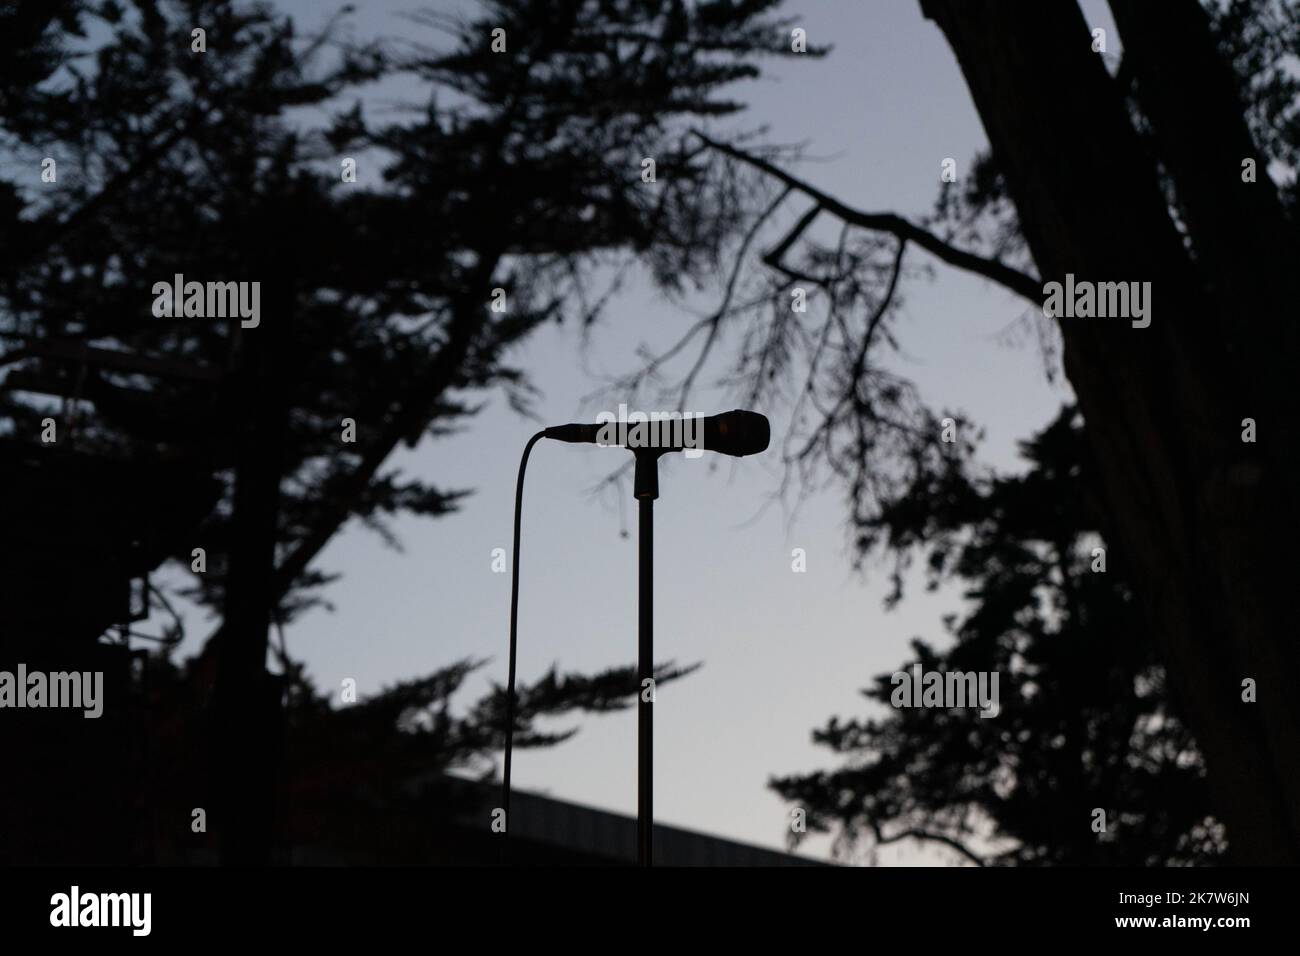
[[646, 490]]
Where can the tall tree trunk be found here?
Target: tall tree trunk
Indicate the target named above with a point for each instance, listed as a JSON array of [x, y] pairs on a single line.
[[1194, 507], [246, 696]]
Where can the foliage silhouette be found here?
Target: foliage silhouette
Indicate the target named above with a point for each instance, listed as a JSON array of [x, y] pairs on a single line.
[[1085, 720], [1170, 159], [517, 172]]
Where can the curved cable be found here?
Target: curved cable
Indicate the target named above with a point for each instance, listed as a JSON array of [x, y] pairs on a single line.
[[514, 634]]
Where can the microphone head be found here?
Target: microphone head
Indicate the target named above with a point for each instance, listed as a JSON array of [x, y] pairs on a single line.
[[737, 433]]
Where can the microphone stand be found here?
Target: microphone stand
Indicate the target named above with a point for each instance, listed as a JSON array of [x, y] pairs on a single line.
[[737, 433], [645, 488]]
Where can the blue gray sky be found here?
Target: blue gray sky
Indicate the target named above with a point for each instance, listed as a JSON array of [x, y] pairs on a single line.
[[781, 651]]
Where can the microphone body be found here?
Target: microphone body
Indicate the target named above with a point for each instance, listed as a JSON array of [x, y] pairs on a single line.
[[737, 433]]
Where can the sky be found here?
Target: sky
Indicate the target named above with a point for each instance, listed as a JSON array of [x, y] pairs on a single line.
[[781, 651]]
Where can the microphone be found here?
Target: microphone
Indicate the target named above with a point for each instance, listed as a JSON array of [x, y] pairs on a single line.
[[737, 433]]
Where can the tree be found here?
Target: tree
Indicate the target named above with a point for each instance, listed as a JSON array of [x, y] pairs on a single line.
[[522, 183], [1158, 172], [189, 155], [1084, 719]]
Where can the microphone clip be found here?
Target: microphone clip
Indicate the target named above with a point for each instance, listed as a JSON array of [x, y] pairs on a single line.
[[645, 474]]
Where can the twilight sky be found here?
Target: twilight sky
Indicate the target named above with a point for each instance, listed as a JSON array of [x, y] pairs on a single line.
[[781, 651]]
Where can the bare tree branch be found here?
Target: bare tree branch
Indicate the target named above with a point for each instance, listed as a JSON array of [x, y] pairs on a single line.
[[1019, 282], [916, 833]]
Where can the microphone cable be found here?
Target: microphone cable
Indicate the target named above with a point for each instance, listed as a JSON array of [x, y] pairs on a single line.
[[514, 640]]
